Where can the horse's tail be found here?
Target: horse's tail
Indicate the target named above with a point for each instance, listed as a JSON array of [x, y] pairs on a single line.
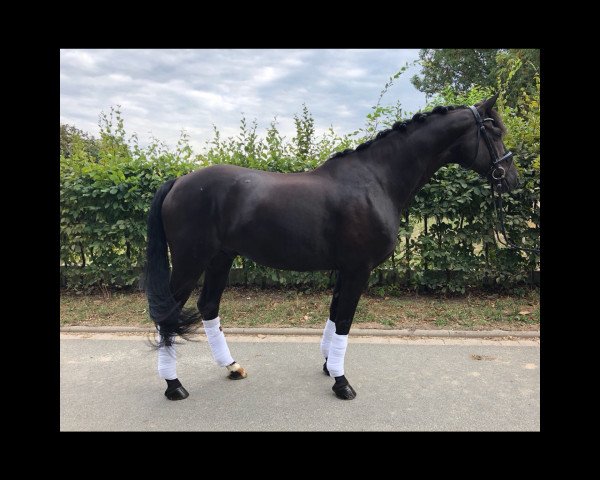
[[168, 315]]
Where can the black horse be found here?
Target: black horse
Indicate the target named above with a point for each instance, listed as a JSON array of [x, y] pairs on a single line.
[[343, 216]]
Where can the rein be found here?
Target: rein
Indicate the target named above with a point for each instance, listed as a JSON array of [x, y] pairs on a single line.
[[497, 176]]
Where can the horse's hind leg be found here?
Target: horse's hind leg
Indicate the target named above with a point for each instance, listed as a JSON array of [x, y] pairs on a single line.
[[215, 280], [184, 278]]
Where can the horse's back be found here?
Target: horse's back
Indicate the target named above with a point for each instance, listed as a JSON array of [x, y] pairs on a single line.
[[262, 215]]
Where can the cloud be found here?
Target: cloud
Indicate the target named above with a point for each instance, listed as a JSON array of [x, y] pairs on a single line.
[[165, 91]]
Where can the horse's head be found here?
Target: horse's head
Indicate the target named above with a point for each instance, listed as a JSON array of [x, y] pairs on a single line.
[[484, 150]]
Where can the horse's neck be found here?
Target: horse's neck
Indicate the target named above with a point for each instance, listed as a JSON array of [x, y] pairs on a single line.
[[405, 165], [402, 162]]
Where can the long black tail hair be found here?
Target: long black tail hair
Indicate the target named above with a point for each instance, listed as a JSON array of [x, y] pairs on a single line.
[[168, 315]]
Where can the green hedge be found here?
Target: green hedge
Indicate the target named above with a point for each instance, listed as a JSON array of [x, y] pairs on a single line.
[[446, 241]]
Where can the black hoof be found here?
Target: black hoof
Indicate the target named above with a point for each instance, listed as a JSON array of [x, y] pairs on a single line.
[[178, 393], [237, 375], [325, 371], [342, 389], [345, 392]]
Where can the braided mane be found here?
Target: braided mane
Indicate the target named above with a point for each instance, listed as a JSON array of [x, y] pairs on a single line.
[[402, 125]]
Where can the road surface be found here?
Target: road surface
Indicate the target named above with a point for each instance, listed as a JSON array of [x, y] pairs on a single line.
[[109, 383]]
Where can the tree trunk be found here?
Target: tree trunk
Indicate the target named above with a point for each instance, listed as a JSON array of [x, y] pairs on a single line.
[[425, 219], [82, 255], [407, 239]]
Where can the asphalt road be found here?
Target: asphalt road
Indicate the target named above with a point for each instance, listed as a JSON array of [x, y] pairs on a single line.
[[109, 383]]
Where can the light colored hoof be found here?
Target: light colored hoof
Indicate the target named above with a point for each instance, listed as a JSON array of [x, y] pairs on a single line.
[[236, 372]]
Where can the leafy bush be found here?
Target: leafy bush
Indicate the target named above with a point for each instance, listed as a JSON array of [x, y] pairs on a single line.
[[104, 203]]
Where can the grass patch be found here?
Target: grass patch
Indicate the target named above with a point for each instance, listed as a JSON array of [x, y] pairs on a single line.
[[250, 307]]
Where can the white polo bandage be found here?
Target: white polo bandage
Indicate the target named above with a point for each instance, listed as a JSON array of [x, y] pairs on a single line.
[[167, 362], [337, 352], [217, 342], [328, 331]]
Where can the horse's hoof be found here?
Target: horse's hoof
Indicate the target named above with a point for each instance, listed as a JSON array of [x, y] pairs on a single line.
[[342, 389], [178, 393], [237, 375], [325, 371], [345, 392], [236, 372]]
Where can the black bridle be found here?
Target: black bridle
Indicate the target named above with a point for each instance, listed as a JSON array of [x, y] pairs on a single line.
[[497, 171], [497, 175]]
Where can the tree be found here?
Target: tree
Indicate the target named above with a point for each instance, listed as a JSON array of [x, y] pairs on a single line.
[[303, 142], [518, 70], [71, 136], [461, 69]]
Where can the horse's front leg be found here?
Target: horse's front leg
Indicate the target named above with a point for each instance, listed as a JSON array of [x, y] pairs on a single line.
[[345, 307], [329, 329]]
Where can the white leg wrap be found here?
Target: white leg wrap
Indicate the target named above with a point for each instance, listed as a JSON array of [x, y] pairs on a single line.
[[167, 363], [337, 352], [217, 342], [328, 331]]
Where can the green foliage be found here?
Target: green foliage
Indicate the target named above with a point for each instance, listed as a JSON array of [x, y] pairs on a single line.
[[305, 151], [463, 69], [74, 140], [459, 250], [104, 203], [446, 238], [517, 71], [384, 116], [460, 69]]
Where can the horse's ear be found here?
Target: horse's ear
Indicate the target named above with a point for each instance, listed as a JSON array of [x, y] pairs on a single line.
[[488, 104]]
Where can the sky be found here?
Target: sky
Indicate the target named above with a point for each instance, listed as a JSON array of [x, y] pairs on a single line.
[[162, 92]]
